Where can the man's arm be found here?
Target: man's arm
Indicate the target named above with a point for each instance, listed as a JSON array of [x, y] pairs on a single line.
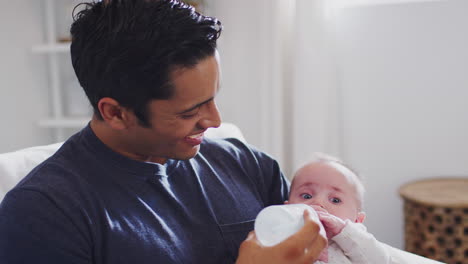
[[304, 247], [33, 229]]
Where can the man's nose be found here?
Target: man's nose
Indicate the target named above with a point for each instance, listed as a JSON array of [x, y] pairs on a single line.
[[212, 116]]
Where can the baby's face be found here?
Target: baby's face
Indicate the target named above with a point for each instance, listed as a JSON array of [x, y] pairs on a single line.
[[327, 186]]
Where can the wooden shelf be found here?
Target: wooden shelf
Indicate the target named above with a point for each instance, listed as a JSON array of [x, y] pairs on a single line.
[[65, 122], [54, 47], [51, 48]]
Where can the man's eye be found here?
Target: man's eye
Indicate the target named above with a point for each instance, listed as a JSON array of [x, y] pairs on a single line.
[[190, 114], [306, 196], [335, 200]]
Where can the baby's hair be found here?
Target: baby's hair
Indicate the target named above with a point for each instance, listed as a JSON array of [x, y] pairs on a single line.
[[358, 181]]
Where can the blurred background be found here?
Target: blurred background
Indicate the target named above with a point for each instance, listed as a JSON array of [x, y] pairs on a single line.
[[382, 84]]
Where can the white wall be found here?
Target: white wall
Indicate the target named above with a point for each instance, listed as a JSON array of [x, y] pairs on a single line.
[[253, 64], [23, 91], [404, 87], [239, 47], [315, 106]]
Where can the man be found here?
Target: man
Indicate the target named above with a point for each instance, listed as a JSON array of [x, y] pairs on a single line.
[[139, 184]]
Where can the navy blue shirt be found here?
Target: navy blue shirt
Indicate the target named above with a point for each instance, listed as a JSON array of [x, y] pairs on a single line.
[[88, 204]]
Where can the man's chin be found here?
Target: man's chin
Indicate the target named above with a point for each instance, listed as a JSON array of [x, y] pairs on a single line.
[[190, 154]]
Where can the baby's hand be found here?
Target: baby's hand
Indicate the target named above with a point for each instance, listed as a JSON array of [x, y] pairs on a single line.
[[333, 225]]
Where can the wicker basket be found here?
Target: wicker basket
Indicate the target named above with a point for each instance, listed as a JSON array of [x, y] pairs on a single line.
[[436, 219]]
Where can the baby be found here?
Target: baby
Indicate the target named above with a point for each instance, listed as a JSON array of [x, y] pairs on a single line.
[[336, 193]]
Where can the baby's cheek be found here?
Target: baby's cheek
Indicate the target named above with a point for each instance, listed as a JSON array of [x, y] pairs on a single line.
[[343, 214], [294, 200]]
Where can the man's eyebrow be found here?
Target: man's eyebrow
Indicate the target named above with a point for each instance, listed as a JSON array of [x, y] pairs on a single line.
[[195, 106]]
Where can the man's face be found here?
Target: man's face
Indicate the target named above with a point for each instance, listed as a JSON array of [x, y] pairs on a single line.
[[327, 186], [177, 124]]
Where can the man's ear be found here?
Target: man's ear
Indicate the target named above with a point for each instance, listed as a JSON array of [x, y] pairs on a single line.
[[114, 114], [361, 216]]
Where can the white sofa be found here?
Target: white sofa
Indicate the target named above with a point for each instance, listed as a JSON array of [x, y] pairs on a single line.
[[15, 165]]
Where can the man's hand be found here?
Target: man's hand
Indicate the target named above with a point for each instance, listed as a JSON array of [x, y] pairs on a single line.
[[304, 247]]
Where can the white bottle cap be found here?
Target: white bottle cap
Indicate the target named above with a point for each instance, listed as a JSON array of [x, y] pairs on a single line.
[[277, 222]]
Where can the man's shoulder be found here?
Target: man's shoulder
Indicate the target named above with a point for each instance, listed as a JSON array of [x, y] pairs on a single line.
[[235, 150], [228, 146], [57, 170]]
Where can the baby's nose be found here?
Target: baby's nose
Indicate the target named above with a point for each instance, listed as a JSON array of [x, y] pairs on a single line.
[[319, 207]]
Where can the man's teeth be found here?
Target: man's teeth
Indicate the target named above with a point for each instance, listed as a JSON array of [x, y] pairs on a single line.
[[196, 136]]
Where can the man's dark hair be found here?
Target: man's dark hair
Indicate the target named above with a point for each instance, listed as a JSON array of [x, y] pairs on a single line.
[[127, 49]]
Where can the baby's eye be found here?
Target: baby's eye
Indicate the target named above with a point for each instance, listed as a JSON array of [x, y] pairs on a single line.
[[335, 200], [306, 196]]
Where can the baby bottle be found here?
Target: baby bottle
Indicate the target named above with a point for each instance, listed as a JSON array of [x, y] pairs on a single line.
[[277, 222]]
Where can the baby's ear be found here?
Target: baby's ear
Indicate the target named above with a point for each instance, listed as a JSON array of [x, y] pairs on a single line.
[[361, 216], [286, 202]]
